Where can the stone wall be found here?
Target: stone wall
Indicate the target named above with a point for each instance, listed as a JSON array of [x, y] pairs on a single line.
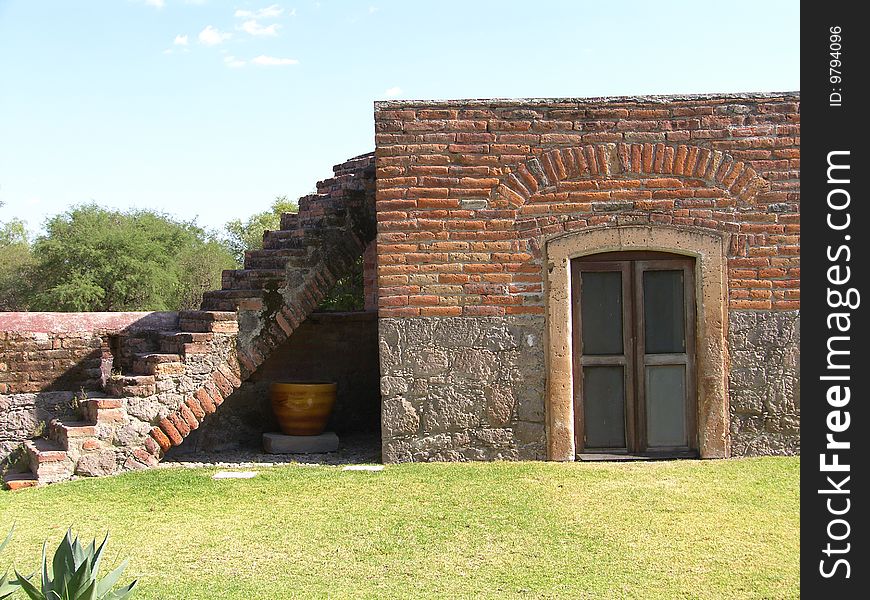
[[764, 382], [469, 194], [340, 347], [462, 389], [23, 416]]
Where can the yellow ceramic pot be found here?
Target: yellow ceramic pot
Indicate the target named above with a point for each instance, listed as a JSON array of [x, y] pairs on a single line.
[[302, 408]]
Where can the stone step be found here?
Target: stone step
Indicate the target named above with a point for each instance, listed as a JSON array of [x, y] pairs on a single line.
[[130, 344], [158, 364], [63, 433], [283, 239], [131, 385], [232, 299], [78, 438], [221, 303], [201, 321], [19, 481], [289, 221], [184, 342], [315, 224], [48, 461], [205, 315], [103, 410], [275, 258], [251, 279], [307, 203]]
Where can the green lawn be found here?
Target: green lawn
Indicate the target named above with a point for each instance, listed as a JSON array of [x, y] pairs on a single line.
[[682, 529]]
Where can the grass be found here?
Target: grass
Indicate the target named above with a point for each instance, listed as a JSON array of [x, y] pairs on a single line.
[[682, 529]]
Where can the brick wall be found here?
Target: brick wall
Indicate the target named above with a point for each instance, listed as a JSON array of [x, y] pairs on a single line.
[[370, 277], [466, 190]]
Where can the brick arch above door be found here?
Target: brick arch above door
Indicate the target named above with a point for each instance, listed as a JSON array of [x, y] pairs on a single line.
[[549, 169], [708, 248]]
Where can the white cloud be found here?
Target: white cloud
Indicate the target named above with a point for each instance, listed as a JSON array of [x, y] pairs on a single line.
[[233, 62], [272, 61], [156, 3], [393, 91], [254, 28], [212, 37], [373, 9], [180, 40], [270, 12]]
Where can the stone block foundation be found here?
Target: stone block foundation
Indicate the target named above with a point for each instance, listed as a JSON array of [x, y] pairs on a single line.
[[459, 388]]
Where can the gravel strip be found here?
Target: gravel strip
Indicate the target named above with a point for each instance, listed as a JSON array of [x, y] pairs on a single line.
[[352, 450]]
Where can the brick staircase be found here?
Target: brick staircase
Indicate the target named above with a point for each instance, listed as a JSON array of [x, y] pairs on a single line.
[[56, 456], [164, 383], [150, 363]]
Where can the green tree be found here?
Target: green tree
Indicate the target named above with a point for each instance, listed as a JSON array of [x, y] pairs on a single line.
[[16, 262], [95, 259], [248, 234], [348, 292]]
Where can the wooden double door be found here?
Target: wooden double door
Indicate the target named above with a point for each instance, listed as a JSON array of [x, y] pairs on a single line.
[[634, 353]]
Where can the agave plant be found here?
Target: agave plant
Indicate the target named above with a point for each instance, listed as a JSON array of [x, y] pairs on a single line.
[[73, 574], [7, 587]]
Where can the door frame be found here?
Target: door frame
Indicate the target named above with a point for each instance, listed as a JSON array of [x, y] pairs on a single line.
[[709, 248]]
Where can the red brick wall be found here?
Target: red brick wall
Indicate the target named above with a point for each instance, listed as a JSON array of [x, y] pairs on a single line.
[[370, 277], [467, 191]]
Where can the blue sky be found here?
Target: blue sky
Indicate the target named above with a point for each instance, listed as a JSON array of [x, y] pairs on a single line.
[[208, 109]]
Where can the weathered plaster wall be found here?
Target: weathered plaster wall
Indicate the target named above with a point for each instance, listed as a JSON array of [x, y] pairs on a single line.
[[469, 192], [340, 347]]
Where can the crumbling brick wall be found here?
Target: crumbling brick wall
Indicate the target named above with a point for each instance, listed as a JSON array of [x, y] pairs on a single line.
[[43, 352]]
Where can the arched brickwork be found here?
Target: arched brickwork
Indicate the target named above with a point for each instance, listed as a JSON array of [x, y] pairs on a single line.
[[715, 168]]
